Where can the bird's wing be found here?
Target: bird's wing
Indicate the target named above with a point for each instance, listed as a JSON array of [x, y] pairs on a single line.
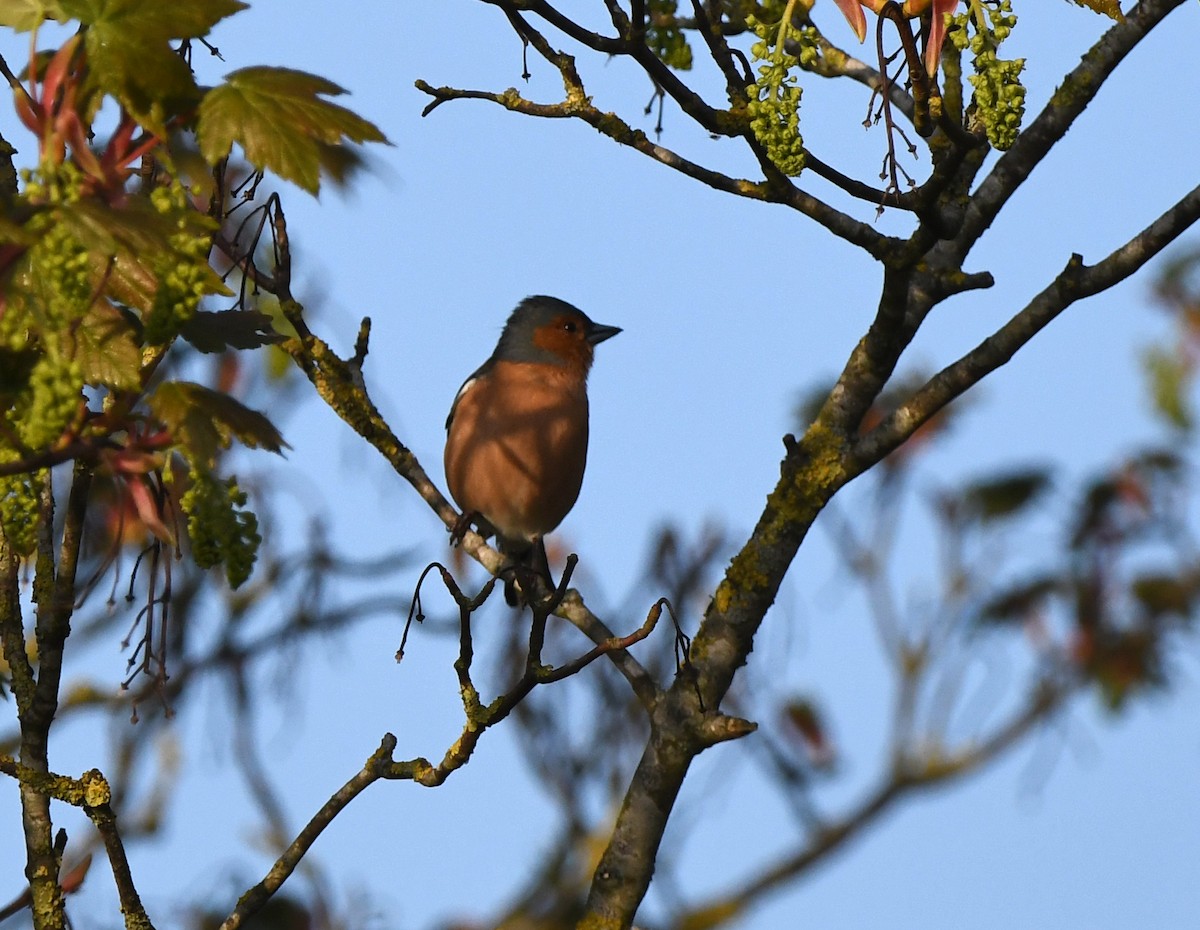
[[466, 386]]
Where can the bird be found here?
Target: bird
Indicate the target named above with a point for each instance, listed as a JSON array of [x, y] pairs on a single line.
[[517, 433]]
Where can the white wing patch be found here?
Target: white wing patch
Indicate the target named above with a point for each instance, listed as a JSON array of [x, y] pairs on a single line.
[[467, 385]]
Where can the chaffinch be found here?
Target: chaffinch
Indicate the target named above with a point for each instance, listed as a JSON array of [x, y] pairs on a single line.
[[517, 433]]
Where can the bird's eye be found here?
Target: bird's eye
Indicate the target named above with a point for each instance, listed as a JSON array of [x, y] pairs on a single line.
[[570, 326]]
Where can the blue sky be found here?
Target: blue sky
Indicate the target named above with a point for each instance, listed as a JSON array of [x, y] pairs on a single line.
[[730, 310]]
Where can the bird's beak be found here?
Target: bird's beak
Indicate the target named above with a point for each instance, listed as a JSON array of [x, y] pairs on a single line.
[[598, 332]]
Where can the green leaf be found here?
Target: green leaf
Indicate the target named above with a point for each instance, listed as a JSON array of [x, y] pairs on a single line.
[[998, 498], [205, 421], [190, 426], [1109, 8], [184, 161], [189, 20], [1019, 602], [1165, 595], [107, 350], [24, 15], [136, 227], [130, 281], [125, 246], [229, 329], [144, 74], [282, 123], [1170, 375], [130, 55]]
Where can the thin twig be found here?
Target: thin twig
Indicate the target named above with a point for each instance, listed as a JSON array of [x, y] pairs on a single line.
[[379, 765], [105, 822]]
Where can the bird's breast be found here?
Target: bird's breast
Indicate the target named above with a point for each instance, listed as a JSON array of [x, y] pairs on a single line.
[[517, 446]]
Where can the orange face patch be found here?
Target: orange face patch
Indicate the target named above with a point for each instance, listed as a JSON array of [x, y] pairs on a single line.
[[566, 337]]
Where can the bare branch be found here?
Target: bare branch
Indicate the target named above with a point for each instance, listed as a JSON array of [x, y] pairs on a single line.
[[105, 822], [1077, 90], [481, 718], [92, 793], [611, 125], [574, 610], [1076, 282], [379, 765], [340, 384], [609, 646], [12, 627], [736, 81], [56, 600], [835, 62], [564, 24], [77, 449]]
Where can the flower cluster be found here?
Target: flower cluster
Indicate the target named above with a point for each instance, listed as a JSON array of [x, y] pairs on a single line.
[[184, 275], [221, 531], [54, 292], [999, 95], [774, 99]]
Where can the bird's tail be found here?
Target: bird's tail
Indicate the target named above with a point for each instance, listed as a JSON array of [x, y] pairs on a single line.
[[527, 566]]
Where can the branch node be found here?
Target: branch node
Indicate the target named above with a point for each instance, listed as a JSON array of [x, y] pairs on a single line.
[[722, 728]]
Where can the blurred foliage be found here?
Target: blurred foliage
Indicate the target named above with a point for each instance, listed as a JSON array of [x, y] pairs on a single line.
[[1170, 366], [124, 355], [105, 265], [665, 37], [1126, 580]]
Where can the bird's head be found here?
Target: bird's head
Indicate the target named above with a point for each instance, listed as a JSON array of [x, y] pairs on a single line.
[[551, 331]]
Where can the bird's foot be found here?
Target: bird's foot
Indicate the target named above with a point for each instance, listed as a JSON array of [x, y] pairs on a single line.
[[524, 584], [461, 526]]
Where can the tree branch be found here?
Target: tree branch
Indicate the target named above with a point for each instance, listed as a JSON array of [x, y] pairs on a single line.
[[479, 720], [814, 469], [1078, 89], [77, 449], [576, 611], [812, 472], [564, 24], [12, 627], [713, 120], [55, 591], [379, 765], [718, 49], [104, 819], [92, 793], [611, 125], [8, 176], [1075, 282], [339, 382]]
